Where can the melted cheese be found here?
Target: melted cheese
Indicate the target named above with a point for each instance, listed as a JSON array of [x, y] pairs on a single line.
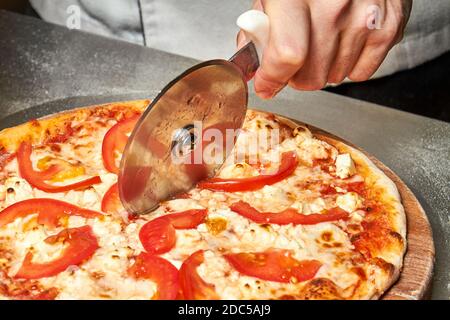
[[349, 201], [345, 166]]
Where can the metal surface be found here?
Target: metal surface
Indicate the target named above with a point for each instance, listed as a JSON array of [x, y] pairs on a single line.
[[42, 63], [164, 154]]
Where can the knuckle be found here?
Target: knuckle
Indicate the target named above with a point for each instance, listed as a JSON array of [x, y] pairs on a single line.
[[383, 37], [390, 35], [289, 55], [263, 79], [358, 29], [377, 40], [339, 6]]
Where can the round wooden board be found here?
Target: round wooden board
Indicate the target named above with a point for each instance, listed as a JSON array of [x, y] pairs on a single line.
[[415, 278]]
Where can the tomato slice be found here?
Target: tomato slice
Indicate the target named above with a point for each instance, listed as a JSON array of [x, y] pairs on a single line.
[[274, 265], [49, 211], [188, 219], [193, 287], [287, 216], [37, 178], [115, 140], [287, 166], [111, 200], [82, 244], [158, 270], [158, 236]]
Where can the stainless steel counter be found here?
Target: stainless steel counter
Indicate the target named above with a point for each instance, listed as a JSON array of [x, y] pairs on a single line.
[[40, 64]]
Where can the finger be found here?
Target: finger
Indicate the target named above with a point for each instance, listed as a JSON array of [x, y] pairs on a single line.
[[324, 45], [350, 48], [368, 63], [354, 33], [401, 11], [287, 47], [378, 44]]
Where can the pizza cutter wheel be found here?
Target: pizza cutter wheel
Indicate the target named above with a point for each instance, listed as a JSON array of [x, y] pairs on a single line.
[[190, 128]]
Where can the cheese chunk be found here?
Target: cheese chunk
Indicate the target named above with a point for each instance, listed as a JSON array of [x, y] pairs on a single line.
[[238, 170], [345, 166], [314, 206], [16, 189], [349, 201], [301, 134]]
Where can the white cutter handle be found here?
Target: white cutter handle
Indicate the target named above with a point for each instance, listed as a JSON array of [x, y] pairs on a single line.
[[255, 25]]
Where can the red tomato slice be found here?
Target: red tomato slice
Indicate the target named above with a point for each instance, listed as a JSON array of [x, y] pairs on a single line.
[[116, 140], [160, 271], [188, 219], [158, 236], [111, 200], [274, 265], [82, 244], [287, 216], [193, 287], [287, 167], [48, 173], [37, 178], [49, 211]]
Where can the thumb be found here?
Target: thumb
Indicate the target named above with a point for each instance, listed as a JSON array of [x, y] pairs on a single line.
[[241, 40]]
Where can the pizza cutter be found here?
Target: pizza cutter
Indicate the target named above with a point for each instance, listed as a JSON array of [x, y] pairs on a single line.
[[190, 128]]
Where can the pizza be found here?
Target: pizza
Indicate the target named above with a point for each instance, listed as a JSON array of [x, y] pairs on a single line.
[[311, 218]]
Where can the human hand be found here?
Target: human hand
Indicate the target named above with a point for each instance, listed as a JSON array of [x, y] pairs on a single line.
[[315, 42]]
